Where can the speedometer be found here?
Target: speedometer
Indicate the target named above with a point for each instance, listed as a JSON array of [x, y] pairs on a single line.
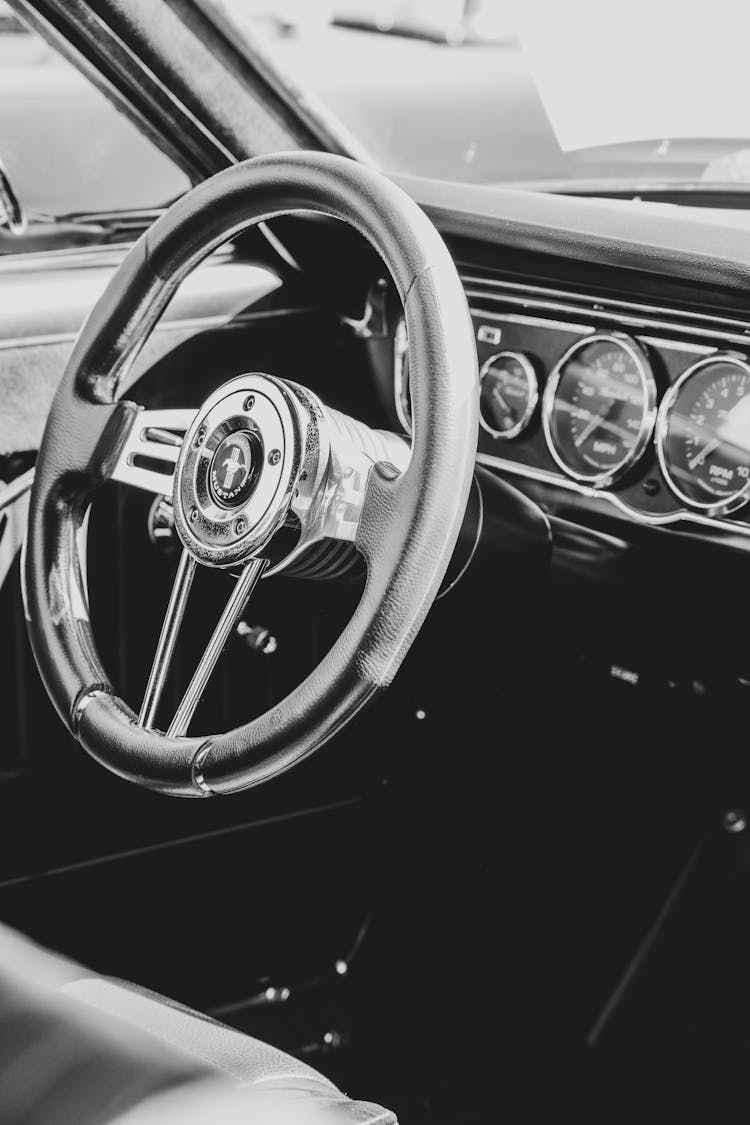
[[599, 408], [703, 435]]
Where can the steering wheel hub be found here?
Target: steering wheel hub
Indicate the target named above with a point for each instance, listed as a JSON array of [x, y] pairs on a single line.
[[238, 469]]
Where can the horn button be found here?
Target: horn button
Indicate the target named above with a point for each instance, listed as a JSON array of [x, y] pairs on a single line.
[[237, 470]]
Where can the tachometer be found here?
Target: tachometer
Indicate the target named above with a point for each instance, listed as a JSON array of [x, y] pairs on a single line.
[[703, 435], [599, 408], [509, 394]]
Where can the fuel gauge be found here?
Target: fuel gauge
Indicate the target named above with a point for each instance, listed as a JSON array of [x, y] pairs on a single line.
[[509, 394]]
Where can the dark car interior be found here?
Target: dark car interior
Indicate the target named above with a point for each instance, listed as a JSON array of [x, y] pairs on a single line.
[[516, 884]]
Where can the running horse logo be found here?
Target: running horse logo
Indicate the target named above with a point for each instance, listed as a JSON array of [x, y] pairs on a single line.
[[232, 474], [231, 465]]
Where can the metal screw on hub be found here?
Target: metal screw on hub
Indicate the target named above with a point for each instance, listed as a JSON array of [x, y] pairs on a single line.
[[200, 437], [240, 526], [274, 457], [193, 515], [249, 402]]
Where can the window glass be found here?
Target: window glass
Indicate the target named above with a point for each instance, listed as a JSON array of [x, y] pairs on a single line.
[[64, 146]]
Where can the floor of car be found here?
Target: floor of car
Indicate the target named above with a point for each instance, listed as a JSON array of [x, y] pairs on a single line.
[[675, 1046], [520, 831], [560, 916]]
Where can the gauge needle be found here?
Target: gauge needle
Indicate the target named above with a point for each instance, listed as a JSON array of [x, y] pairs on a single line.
[[594, 422], [709, 447], [496, 394], [732, 431]]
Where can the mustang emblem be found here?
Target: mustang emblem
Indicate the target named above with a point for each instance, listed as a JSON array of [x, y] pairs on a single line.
[[233, 464], [234, 469]]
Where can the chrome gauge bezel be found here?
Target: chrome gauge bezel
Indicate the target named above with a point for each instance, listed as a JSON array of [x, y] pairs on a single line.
[[731, 503], [648, 420], [533, 385]]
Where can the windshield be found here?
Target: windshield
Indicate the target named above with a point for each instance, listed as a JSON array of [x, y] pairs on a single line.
[[564, 95]]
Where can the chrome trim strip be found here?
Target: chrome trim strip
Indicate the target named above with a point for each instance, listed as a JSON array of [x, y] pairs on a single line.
[[189, 324], [648, 415], [31, 261], [731, 503], [588, 330], [533, 321], [635, 323], [677, 346], [96, 256], [666, 520], [82, 703], [196, 770], [541, 297], [87, 255]]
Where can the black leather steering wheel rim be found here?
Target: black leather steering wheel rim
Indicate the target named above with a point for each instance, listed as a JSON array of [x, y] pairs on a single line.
[[409, 525]]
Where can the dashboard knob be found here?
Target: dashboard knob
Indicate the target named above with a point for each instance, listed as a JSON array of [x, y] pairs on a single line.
[[257, 638], [161, 524]]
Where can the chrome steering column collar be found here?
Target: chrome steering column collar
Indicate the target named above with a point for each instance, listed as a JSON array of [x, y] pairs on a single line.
[[339, 454]]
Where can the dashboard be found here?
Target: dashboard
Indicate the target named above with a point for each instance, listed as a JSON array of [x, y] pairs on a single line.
[[637, 410]]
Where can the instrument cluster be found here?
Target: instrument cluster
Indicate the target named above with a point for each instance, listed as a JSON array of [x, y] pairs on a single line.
[[623, 409], [599, 414]]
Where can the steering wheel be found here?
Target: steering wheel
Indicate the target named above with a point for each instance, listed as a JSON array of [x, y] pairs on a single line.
[[260, 458]]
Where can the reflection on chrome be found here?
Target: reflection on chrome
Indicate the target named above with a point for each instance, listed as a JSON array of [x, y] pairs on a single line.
[[151, 449], [703, 434], [513, 394]]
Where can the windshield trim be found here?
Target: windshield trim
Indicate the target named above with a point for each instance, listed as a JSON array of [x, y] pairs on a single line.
[[691, 192], [109, 62], [332, 134]]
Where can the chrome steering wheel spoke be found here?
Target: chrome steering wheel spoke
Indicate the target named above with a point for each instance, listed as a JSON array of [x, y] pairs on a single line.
[[150, 451], [167, 639], [170, 629], [238, 599]]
